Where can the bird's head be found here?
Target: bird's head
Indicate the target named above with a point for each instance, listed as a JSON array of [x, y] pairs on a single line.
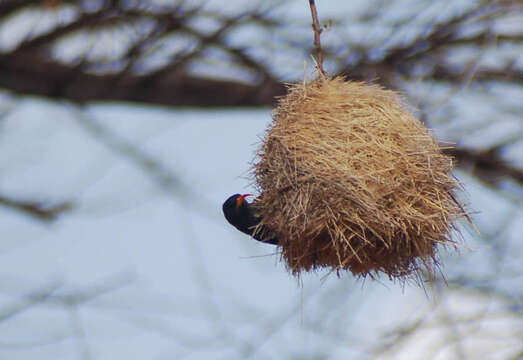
[[235, 201], [234, 206]]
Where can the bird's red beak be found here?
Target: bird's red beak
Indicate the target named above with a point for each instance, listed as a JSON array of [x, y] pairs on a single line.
[[241, 199]]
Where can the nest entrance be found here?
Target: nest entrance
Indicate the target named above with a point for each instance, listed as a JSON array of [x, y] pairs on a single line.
[[350, 180]]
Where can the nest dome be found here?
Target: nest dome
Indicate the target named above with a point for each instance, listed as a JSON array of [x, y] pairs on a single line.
[[351, 180]]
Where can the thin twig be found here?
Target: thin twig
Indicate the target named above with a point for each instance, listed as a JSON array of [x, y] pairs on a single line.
[[39, 210], [316, 27], [27, 301]]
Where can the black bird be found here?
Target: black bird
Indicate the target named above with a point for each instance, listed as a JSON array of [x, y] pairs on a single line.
[[240, 214]]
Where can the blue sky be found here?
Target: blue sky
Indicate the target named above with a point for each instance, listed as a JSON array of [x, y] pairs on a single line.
[[191, 284]]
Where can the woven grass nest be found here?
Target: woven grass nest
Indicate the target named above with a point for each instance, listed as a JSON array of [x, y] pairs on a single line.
[[350, 180]]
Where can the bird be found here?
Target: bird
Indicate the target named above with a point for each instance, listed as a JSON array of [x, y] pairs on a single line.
[[240, 214]]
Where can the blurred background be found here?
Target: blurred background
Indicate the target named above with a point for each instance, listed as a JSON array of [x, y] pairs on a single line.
[[124, 125]]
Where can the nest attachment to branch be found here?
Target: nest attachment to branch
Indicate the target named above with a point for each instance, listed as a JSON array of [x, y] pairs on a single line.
[[350, 180]]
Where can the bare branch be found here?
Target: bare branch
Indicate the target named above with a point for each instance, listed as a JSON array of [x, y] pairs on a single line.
[[316, 27], [37, 210], [28, 301], [487, 165]]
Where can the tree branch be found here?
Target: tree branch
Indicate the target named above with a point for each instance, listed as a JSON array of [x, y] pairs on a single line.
[[487, 165], [316, 27], [36, 209]]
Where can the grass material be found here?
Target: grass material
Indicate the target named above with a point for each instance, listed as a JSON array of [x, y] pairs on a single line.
[[350, 180]]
